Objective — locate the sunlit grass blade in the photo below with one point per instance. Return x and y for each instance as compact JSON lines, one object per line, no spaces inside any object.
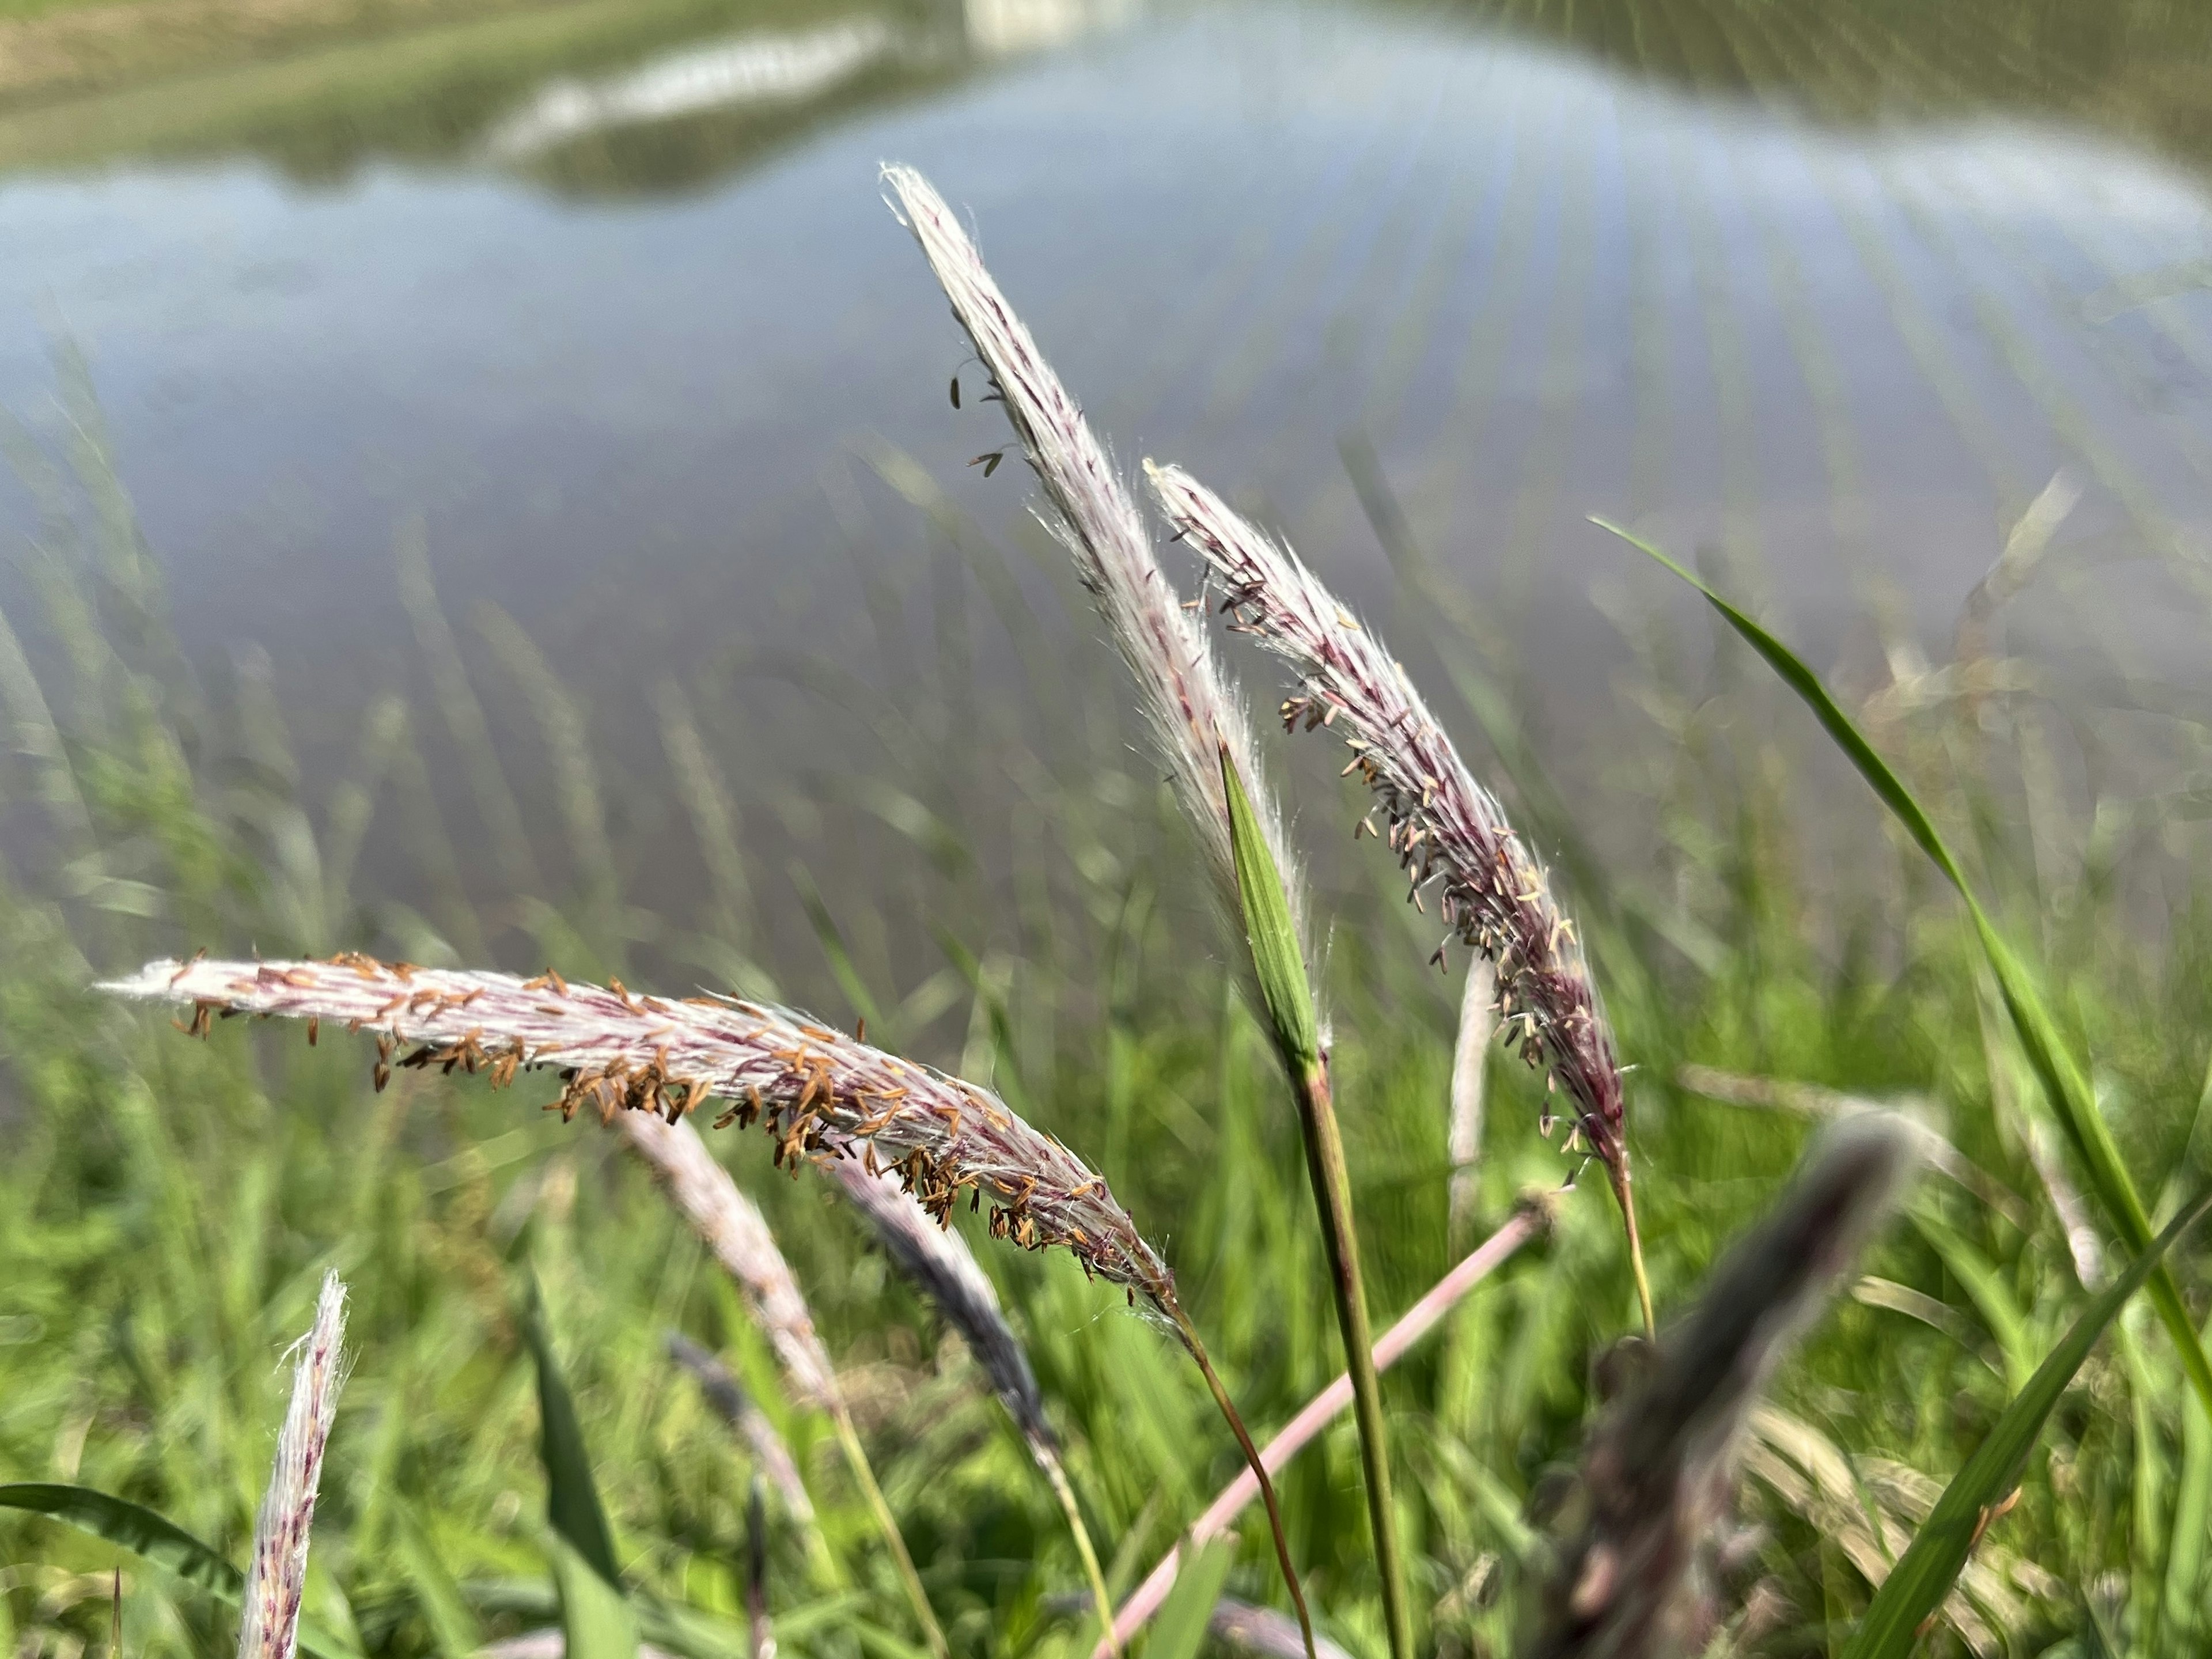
{"x":155,"y":1538}
{"x":596,"y":1621}
{"x":2056,"y":1068}
{"x":1281,"y":967}
{"x":1924,"y":1575}
{"x":1180,"y":1631}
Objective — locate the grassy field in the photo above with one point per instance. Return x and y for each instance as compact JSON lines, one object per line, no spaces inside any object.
{"x":167,"y":1208}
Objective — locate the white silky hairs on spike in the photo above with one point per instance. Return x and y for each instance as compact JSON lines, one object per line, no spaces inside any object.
{"x":1095,"y":517}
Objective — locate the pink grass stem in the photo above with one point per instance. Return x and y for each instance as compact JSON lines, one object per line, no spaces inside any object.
{"x":1322,"y":1409}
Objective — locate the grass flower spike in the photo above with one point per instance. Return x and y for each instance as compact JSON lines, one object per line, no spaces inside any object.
{"x":1096,"y":518}
{"x":278,"y":1578}
{"x":819,"y":1094}
{"x":1449,"y":834}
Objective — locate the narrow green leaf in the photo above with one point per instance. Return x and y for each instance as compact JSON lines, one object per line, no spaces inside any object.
{"x":572,"y":1501}
{"x":2192,"y":1524}
{"x":2056,"y":1068}
{"x":597,"y":1620}
{"x":1923,"y":1576}
{"x":1988,"y":1293}
{"x":1180,"y":1629}
{"x":1275,"y":955}
{"x":159,"y":1542}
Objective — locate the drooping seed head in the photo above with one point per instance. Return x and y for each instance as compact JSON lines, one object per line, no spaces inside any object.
{"x":818,"y":1094}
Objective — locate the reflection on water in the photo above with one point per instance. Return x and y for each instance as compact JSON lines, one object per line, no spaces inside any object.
{"x":752,"y":71}
{"x":1831,"y":293}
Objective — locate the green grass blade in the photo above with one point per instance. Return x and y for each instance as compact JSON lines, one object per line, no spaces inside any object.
{"x":1923,"y":1576}
{"x":2056,"y":1069}
{"x":155,"y":1539}
{"x":1180,"y":1629}
{"x":597,"y":1620}
{"x":572,"y":1501}
{"x":2192,"y":1525}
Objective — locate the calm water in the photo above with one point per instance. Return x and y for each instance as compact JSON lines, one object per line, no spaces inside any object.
{"x":619,"y":313}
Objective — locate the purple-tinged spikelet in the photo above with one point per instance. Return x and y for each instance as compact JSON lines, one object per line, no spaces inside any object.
{"x":1449,"y":834}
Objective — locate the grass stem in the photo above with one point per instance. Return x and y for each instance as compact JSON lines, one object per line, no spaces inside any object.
{"x":857,"y":1460}
{"x":1623,"y":1192}
{"x":1100,"y":1595}
{"x":1189,"y":1334}
{"x":1332,"y":1186}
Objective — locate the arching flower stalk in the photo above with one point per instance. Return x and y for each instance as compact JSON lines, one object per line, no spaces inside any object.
{"x":1449,"y":834}
{"x":822,"y":1097}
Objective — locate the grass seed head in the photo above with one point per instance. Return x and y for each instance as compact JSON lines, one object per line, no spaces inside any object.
{"x":1093,"y":514}
{"x":1451,"y":836}
{"x":822,"y":1097}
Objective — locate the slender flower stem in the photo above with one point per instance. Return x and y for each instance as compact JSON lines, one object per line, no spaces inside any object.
{"x":1332,"y":1186}
{"x":1101,"y":1597}
{"x":1623,"y":1192}
{"x":1320,"y":1411}
{"x":1259,"y":1470}
{"x":857,"y":1460}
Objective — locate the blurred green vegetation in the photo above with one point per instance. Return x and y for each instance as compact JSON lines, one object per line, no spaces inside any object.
{"x":1001,"y":887}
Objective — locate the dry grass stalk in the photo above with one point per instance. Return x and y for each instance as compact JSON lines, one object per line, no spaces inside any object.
{"x":278,"y":1577}
{"x":1658,"y":1469}
{"x":1096,"y":519}
{"x":1323,"y":1409}
{"x":819,"y":1094}
{"x":1811,"y":1100}
{"x":1449,"y":834}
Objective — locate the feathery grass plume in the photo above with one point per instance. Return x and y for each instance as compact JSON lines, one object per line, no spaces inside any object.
{"x":1195,"y":720}
{"x":818,"y":1094}
{"x":938,"y":1263}
{"x":733,"y":1227}
{"x":1096,"y":519}
{"x":278,"y":1578}
{"x":1447,"y":831}
{"x":1657,"y":1470}
{"x":743,"y":1416}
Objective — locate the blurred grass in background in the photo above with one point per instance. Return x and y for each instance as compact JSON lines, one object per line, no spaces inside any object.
{"x":166,"y":1208}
